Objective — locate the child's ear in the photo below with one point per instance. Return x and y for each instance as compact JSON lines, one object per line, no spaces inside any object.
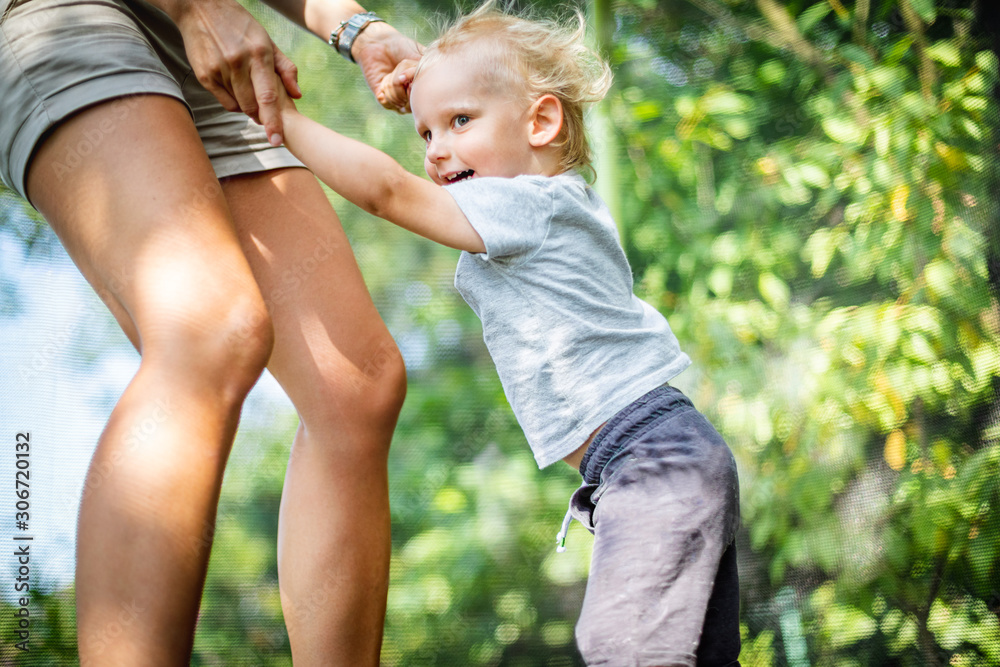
{"x":546,"y":118}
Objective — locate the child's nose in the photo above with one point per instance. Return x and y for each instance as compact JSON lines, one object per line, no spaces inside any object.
{"x":436,"y":150}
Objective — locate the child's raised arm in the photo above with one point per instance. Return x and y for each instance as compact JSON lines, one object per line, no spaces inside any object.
{"x":374,"y":181}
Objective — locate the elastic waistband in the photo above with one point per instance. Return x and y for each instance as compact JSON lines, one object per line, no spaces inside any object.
{"x":648,"y":407}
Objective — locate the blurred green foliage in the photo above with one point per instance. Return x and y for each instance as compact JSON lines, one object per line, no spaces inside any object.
{"x":811,"y":193}
{"x":806,"y":189}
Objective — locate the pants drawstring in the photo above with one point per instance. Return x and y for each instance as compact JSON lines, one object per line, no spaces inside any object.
{"x":561,"y":536}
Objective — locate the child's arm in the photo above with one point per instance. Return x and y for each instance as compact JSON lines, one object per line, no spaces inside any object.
{"x":374,"y":181}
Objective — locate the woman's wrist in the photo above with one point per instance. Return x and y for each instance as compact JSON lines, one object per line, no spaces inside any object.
{"x":323,"y":16}
{"x":348,"y":31}
{"x":175,"y":9}
{"x":374,"y":33}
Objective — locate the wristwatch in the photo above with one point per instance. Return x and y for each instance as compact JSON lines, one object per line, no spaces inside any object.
{"x":343,"y":37}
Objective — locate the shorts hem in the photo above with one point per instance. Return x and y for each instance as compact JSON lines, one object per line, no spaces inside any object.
{"x":52,"y":111}
{"x":254,"y":162}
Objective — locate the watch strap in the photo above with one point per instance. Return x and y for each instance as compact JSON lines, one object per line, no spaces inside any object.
{"x":343,"y":37}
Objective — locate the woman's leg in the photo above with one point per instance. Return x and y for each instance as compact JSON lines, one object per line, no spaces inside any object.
{"x":339,"y":365}
{"x":170,"y":267}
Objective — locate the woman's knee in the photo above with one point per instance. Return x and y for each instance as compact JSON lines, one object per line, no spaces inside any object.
{"x":387,"y":373}
{"x":222,"y":343}
{"x":247,"y":338}
{"x":362,"y":402}
{"x":382,"y":390}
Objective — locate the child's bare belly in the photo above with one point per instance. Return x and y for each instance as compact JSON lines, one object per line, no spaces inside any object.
{"x":577,"y":456}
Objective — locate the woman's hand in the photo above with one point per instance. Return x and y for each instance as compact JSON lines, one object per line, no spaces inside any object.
{"x":388,"y":61}
{"x":235,"y":59}
{"x":394,"y":91}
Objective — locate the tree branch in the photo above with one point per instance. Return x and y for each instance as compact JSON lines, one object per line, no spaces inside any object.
{"x":861,"y":11}
{"x":787,"y":33}
{"x":925,"y":68}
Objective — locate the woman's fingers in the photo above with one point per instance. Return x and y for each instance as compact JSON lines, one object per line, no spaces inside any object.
{"x":235,"y":59}
{"x":227,"y":101}
{"x":287,"y":71}
{"x":265,"y":88}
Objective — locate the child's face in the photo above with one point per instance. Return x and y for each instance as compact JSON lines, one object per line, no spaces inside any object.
{"x":470,"y":131}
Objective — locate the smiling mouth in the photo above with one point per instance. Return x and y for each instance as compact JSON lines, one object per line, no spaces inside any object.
{"x":460,"y":176}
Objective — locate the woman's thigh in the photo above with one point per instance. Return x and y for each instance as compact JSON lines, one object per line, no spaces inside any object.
{"x":59,"y":57}
{"x":79,"y":80}
{"x":167,"y":263}
{"x":333,"y":354}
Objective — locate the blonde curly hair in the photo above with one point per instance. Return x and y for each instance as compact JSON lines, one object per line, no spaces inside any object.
{"x":532,"y":57}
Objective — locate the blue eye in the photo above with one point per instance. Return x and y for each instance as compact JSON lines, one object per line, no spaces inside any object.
{"x":461,"y":120}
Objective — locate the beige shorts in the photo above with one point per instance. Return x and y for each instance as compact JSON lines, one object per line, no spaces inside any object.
{"x":58,"y":57}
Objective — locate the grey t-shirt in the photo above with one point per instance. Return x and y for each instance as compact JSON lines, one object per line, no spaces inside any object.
{"x":571,"y":342}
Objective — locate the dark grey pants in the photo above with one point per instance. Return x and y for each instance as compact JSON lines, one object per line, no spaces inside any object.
{"x":661,"y":496}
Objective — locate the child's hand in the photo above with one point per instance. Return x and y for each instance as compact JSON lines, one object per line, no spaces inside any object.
{"x":394,"y":90}
{"x":287,"y":111}
{"x":380,"y":49}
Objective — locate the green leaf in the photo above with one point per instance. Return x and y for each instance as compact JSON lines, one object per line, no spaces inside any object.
{"x":945,"y":52}
{"x":814,"y":175}
{"x":925,"y":9}
{"x":819,"y":251}
{"x":686,"y":106}
{"x":720,"y":280}
{"x":898,"y":50}
{"x":983,"y":554}
{"x":772,"y":71}
{"x":973,"y":128}
{"x":648,"y":110}
{"x":847,"y":625}
{"x":856,"y":54}
{"x":843,"y":130}
{"x":891,"y":81}
{"x":987,"y":62}
{"x":812,"y":16}
{"x":919,"y":349}
{"x":975,"y":103}
{"x":738,"y":128}
{"x":940,"y":277}
{"x":774,"y":290}
{"x":725,"y":102}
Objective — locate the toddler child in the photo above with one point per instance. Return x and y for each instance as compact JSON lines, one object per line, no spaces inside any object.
{"x":584,"y":363}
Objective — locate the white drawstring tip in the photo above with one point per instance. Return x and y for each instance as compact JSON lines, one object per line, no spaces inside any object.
{"x":563,"y":531}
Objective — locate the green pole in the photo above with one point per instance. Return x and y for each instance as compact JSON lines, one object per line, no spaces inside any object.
{"x":604,"y":137}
